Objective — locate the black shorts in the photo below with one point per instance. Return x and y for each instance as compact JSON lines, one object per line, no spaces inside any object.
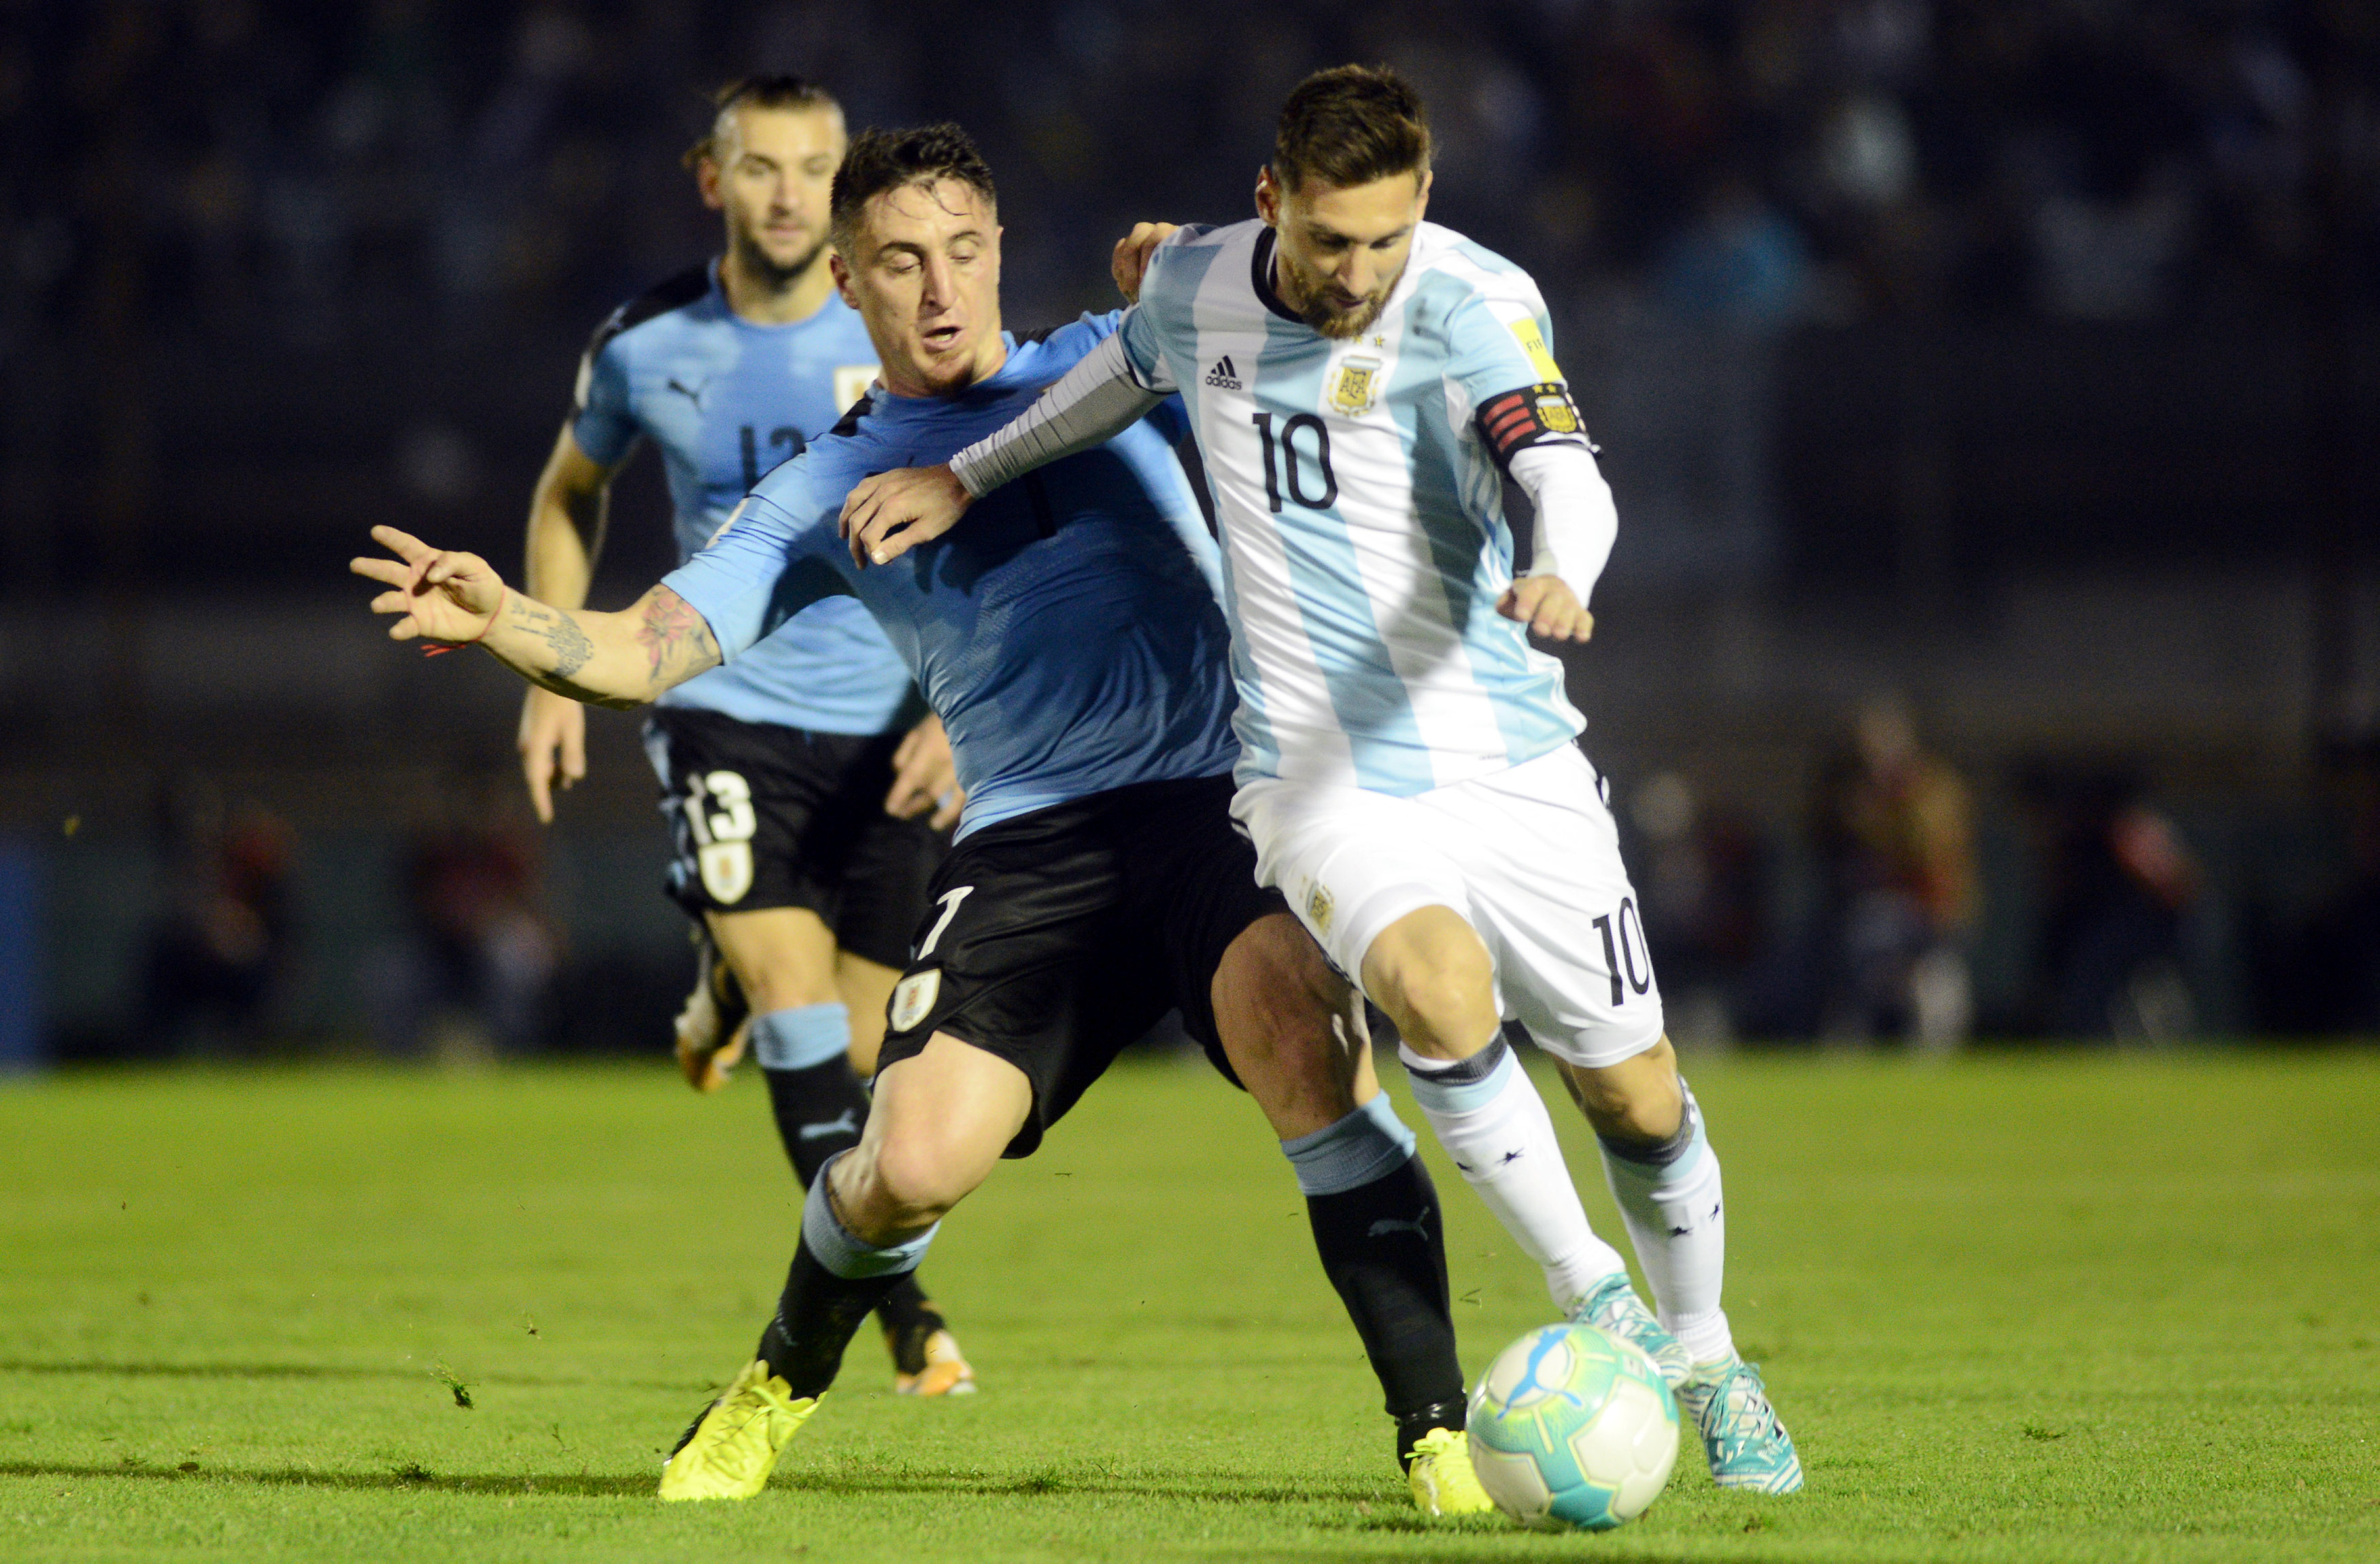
{"x":769,"y":816}
{"x":1058,"y":937}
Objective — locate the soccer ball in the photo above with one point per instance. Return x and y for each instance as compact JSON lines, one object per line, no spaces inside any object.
{"x":1572,"y":1428}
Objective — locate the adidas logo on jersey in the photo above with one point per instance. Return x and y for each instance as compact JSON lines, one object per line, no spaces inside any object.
{"x":1222,"y":376}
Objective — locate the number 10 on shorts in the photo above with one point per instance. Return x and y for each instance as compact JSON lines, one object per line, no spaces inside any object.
{"x":1625,"y":949}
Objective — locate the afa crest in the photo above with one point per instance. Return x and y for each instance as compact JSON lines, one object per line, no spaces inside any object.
{"x":1355,"y":387}
{"x":1555,"y":409}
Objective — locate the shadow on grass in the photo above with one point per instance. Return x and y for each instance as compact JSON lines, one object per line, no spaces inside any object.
{"x":330,"y":1371}
{"x":952,"y":1483}
{"x":1470,"y":1540}
{"x":410,"y":1479}
{"x":1072,"y":1482}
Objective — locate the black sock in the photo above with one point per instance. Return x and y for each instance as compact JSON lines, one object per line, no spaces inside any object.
{"x":816,"y":1320}
{"x":820,"y":1111}
{"x":1383,"y":1246}
{"x":1413,"y":1426}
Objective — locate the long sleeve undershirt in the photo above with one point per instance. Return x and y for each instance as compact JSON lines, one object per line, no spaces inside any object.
{"x":1090,"y":403}
{"x":1100,"y":397}
{"x":1576,"y":520}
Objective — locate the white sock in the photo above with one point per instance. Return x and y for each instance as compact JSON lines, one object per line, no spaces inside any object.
{"x":1677,"y":1218}
{"x":1494,"y":1125}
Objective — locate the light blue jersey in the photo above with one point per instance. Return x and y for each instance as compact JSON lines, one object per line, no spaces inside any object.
{"x":1363,"y":535}
{"x":1068,"y":634}
{"x":726,"y":400}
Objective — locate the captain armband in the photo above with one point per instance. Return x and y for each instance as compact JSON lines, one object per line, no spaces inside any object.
{"x":1534,"y":415}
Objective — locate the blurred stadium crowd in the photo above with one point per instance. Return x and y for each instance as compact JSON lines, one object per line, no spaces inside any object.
{"x":1887,"y":311}
{"x":325,"y":169}
{"x":1862,"y":924}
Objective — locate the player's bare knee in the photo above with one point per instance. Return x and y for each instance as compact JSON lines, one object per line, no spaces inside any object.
{"x":1273,"y":988}
{"x":1273,"y":961}
{"x":1433,"y":976}
{"x":1450,"y":1000}
{"x":913,"y":1181}
{"x":1636,"y":1118}
{"x":1639,"y":1101}
{"x":767,"y":989}
{"x":782,"y":957}
{"x":1278,"y":1010}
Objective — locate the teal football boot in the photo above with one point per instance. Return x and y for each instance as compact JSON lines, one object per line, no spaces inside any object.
{"x":1748,"y":1446}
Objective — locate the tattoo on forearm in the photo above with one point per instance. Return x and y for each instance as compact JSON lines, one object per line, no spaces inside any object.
{"x":572,"y":650}
{"x":676,"y":643}
{"x":675,"y":637}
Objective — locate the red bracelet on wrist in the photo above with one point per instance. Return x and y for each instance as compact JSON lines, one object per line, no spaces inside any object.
{"x":439,"y":649}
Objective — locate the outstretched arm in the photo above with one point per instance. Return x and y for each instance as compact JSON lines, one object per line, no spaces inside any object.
{"x":625,"y":659}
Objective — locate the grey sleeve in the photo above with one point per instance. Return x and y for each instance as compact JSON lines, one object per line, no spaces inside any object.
{"x":1092,"y":402}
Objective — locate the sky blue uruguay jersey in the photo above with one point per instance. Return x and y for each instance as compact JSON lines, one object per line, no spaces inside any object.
{"x":1067,"y":633}
{"x":726,"y":400}
{"x":1365,"y":543}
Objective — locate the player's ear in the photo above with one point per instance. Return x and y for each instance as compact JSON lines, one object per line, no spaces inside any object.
{"x":1268,"y":196}
{"x":706,"y":179}
{"x":841,"y":270}
{"x":1421,"y":202}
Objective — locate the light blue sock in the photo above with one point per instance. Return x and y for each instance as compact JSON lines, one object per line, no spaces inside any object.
{"x":1461,"y":1085}
{"x":1367,"y":1144}
{"x":1670,"y":1195}
{"x":843,"y":1252}
{"x":801,"y":1037}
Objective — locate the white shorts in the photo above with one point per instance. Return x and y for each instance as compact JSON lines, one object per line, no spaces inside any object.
{"x":1529,"y":857}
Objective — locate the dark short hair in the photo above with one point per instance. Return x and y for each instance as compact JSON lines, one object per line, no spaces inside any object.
{"x":778,"y":90}
{"x":1348,"y":125}
{"x":879,"y":161}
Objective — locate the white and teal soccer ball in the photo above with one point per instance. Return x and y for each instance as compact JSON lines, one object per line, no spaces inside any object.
{"x":1572,"y":1428}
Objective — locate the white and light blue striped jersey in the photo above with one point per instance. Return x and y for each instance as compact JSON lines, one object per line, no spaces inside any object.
{"x":726,"y":400}
{"x":1362,"y":515}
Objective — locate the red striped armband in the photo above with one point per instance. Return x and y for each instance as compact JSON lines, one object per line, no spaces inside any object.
{"x":1514,"y":420}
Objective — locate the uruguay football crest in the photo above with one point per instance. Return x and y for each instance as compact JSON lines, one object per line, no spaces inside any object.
{"x":1355,"y":387}
{"x":914,"y":996}
{"x":851,"y":383}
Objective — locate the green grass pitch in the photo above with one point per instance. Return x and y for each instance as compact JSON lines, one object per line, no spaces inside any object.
{"x":2012,"y":1308}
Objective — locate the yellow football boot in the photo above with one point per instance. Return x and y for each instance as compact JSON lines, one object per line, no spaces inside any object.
{"x":1443,"y":1482}
{"x":944,"y":1371}
{"x":733,"y":1447}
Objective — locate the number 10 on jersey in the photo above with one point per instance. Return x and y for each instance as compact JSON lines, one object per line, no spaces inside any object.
{"x":1287,"y":460}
